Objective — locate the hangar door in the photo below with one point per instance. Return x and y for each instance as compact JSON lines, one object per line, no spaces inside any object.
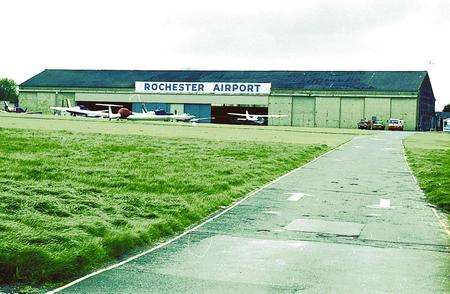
{"x":63,"y":97}
{"x":280,"y":105}
{"x":303,"y":109}
{"x":327,"y":112}
{"x":199,"y":110}
{"x":405,"y":109}
{"x":352,"y":111}
{"x":379,"y":107}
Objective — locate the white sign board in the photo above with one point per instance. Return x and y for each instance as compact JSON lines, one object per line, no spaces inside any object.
{"x":203,"y":88}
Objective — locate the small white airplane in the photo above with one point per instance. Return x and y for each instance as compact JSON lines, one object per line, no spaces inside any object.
{"x":110,"y":114}
{"x":159,"y":115}
{"x":255,"y":118}
{"x":14,"y":109}
{"x":83,"y":111}
{"x":151,"y":115}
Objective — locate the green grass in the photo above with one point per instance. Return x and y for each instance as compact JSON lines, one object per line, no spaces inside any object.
{"x":428,"y":155}
{"x":72,"y":201}
{"x":271,"y":134}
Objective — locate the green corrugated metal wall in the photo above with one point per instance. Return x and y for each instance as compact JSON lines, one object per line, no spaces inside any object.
{"x":62,"y":97}
{"x":28,"y":100}
{"x":406,"y":110}
{"x":281,"y":105}
{"x":327,"y":112}
{"x":352,"y":110}
{"x":175,"y":99}
{"x":41,"y":101}
{"x":379,"y":107}
{"x":303,"y":111}
{"x":345,"y":112}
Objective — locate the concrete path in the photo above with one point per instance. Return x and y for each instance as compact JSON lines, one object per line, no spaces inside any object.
{"x":320,"y":229}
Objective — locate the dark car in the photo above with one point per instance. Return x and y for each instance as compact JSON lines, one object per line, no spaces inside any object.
{"x":364,"y":124}
{"x":378,"y":125}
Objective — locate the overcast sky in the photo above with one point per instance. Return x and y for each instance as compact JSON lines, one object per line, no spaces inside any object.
{"x":228,"y":34}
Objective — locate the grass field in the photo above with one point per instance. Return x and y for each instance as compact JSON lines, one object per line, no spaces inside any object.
{"x":429,"y":157}
{"x":297,"y":135}
{"x":77,"y":194}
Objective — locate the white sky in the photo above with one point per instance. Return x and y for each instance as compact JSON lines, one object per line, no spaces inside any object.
{"x":227,"y":34}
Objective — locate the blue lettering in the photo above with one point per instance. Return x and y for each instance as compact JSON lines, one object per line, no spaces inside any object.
{"x":200,"y":87}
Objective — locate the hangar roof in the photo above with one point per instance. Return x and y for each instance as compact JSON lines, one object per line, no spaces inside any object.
{"x":288,"y":80}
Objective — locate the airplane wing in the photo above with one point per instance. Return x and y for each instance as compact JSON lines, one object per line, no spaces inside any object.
{"x":108,"y":105}
{"x":197,"y":119}
{"x":59,"y":108}
{"x":236,"y":114}
{"x":271,"y":115}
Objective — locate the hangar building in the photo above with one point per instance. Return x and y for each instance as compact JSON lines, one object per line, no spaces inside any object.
{"x":307,"y":98}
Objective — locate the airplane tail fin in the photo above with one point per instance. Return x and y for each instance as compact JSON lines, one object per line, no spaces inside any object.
{"x":68,"y":103}
{"x":247,"y":116}
{"x":144,"y":109}
{"x":109,"y":112}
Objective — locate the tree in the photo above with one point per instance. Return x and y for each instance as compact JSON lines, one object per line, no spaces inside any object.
{"x":8,"y":90}
{"x":2,"y":94}
{"x":446,"y":108}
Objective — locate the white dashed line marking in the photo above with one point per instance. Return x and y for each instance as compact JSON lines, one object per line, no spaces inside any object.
{"x":296,"y":196}
{"x":271,"y":212}
{"x":385,"y":203}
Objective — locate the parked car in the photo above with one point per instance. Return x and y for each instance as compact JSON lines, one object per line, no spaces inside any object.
{"x":446,"y":125}
{"x":378,"y":125}
{"x":371,"y":124}
{"x":395,"y":124}
{"x":364,"y":124}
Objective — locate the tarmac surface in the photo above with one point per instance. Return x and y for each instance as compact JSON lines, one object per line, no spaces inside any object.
{"x":353,"y":221}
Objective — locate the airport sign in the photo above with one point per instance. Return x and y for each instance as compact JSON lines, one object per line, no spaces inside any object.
{"x":203,"y":88}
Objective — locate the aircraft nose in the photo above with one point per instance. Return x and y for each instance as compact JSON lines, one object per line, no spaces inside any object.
{"x":124,"y":112}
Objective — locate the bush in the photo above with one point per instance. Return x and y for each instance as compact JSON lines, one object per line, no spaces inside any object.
{"x":8,"y":90}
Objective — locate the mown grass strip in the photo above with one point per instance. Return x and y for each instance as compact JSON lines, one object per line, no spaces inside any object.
{"x":429,"y":157}
{"x":71,"y":202}
{"x":263,"y":134}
